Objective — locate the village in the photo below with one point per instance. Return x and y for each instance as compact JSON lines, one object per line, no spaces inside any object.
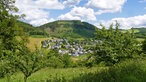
{"x":73,"y":48}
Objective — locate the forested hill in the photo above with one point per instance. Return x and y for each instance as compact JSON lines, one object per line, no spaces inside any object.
{"x":140,"y":32}
{"x":31,"y":30}
{"x":69,"y":29}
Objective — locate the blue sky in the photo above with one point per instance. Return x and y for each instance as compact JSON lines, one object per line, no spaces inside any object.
{"x":129,"y":13}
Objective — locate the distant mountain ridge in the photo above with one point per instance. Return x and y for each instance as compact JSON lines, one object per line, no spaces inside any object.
{"x":31,"y":30}
{"x":141,"y":32}
{"x":69,"y":28}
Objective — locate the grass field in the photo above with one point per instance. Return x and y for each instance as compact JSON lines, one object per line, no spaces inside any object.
{"x":53,"y":75}
{"x":127,"y":71}
{"x":140,"y":39}
{"x":35,"y":42}
{"x":135,"y":31}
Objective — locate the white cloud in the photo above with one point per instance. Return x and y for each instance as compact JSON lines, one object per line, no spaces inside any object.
{"x":69,"y":16}
{"x":41,"y":21}
{"x":45,"y":4}
{"x":71,"y":2}
{"x":35,"y":10}
{"x":79,"y":13}
{"x":49,"y":4}
{"x":127,"y":23}
{"x":106,"y":6}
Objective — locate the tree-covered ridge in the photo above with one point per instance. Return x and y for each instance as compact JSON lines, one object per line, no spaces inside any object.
{"x":141,"y":32}
{"x":31,"y":30}
{"x":69,"y":29}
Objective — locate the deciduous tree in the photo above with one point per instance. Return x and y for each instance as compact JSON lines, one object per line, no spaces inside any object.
{"x":8,"y":33}
{"x":115,"y":45}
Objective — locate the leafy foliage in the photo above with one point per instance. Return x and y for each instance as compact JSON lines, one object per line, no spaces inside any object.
{"x":144,"y":46}
{"x":67,"y":61}
{"x":127,"y":71}
{"x":28,"y":62}
{"x":8,"y":32}
{"x":115,"y":45}
{"x":53,"y":59}
{"x":14,"y":54}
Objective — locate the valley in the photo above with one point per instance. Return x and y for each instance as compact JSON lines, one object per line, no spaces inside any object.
{"x":72,"y":41}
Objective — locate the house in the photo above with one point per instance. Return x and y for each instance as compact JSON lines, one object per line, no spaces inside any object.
{"x":63,"y":46}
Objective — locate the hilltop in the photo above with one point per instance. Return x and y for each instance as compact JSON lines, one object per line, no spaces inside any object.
{"x":31,"y":30}
{"x":69,"y":29}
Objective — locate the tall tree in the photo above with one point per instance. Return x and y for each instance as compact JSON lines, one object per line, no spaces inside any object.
{"x":14,"y":54}
{"x":115,"y":45}
{"x":8,"y":27}
{"x":8,"y":33}
{"x":27,"y":61}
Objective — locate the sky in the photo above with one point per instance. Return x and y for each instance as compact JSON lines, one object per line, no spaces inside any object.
{"x":129,"y":13}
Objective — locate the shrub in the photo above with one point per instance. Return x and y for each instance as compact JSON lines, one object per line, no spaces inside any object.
{"x":127,"y":71}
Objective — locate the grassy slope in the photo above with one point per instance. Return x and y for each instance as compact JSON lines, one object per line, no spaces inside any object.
{"x":35,"y":42}
{"x":135,"y":30}
{"x":140,"y":33}
{"x":53,"y":74}
{"x":127,"y":71}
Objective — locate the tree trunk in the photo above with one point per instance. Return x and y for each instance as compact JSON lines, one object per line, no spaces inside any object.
{"x":25,"y":78}
{"x":8,"y":78}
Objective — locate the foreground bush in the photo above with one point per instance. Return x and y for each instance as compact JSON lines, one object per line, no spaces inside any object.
{"x":127,"y":71}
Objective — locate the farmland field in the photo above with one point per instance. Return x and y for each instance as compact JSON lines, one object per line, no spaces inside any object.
{"x":35,"y":42}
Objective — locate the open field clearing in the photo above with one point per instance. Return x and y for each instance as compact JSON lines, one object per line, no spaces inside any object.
{"x":35,"y":42}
